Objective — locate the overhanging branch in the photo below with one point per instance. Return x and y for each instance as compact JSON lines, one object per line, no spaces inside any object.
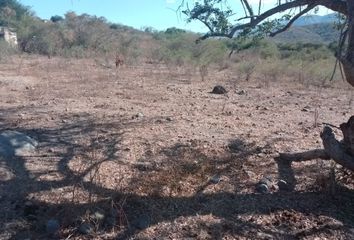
{"x":280,"y":8}
{"x":286,"y":27}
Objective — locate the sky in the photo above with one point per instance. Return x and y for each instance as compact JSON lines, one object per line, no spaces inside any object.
{"x":159,"y":14}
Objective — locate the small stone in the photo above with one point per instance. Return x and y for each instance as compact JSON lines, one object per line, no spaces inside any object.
{"x":215,"y":179}
{"x":306,"y":109}
{"x":138,"y":115}
{"x":242,"y":92}
{"x":268,"y":181}
{"x":52,"y":226}
{"x":169,"y":119}
{"x":98,"y":216}
{"x":86,"y":228}
{"x":262,"y":188}
{"x":283,"y":186}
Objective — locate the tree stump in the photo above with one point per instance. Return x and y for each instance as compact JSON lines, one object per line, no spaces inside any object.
{"x":348,"y":135}
{"x":342,"y":152}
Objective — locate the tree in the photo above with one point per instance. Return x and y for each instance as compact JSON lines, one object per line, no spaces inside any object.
{"x":56,"y":18}
{"x":221,"y":21}
{"x":11,"y":11}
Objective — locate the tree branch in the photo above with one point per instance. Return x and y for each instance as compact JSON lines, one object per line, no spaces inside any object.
{"x":309,"y":8}
{"x":335,"y":5}
{"x":280,"y":8}
{"x":304,"y":156}
{"x":248,"y":7}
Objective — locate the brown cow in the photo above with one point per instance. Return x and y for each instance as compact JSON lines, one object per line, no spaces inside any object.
{"x":119,"y":61}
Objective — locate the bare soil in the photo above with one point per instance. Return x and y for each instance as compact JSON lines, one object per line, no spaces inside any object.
{"x":151,"y":149}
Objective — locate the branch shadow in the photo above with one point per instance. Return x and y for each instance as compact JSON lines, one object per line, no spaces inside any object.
{"x":180,"y":186}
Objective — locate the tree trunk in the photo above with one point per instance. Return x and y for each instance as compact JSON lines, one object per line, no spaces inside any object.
{"x":348,"y":60}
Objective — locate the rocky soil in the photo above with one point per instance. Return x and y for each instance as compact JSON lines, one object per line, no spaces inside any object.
{"x":149,"y":152}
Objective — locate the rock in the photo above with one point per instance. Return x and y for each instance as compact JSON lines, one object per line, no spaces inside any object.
{"x":305,"y":109}
{"x":219,"y":90}
{"x":142,"y":222}
{"x":169,"y":119}
{"x":13,"y":143}
{"x":262,"y":188}
{"x":98,"y":216}
{"x":242,"y":92}
{"x":52,"y":226}
{"x":86,"y":228}
{"x":138,"y":115}
{"x":215,"y":179}
{"x":283,"y":186}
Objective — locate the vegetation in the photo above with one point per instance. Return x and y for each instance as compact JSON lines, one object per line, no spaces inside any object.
{"x":222,"y":21}
{"x":83,"y":35}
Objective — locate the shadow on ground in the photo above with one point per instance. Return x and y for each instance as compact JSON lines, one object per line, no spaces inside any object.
{"x":165,"y":198}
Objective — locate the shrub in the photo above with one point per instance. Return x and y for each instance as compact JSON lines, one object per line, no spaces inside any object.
{"x":6,"y":51}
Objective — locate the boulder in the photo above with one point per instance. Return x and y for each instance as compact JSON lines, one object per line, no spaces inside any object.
{"x":14,"y":143}
{"x":219,"y":90}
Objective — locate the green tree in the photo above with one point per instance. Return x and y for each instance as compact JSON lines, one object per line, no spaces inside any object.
{"x":56,"y":18}
{"x":11,"y":12}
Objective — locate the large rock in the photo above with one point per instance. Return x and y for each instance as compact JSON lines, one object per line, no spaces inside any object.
{"x":13,"y":143}
{"x":219,"y":90}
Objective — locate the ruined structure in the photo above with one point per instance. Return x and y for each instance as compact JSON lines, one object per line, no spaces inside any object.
{"x":9,"y":36}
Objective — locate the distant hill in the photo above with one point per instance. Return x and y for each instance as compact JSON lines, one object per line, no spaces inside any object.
{"x":311,"y":29}
{"x":316,"y":19}
{"x":315,"y":33}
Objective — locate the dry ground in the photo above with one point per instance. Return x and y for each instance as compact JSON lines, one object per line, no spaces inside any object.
{"x":140,"y":144}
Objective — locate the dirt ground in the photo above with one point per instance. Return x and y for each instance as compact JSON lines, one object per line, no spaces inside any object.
{"x":147,"y":152}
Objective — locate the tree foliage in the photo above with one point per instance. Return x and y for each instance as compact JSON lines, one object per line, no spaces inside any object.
{"x":12,"y":11}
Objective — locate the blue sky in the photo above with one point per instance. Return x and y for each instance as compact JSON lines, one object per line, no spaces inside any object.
{"x":158,"y":14}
